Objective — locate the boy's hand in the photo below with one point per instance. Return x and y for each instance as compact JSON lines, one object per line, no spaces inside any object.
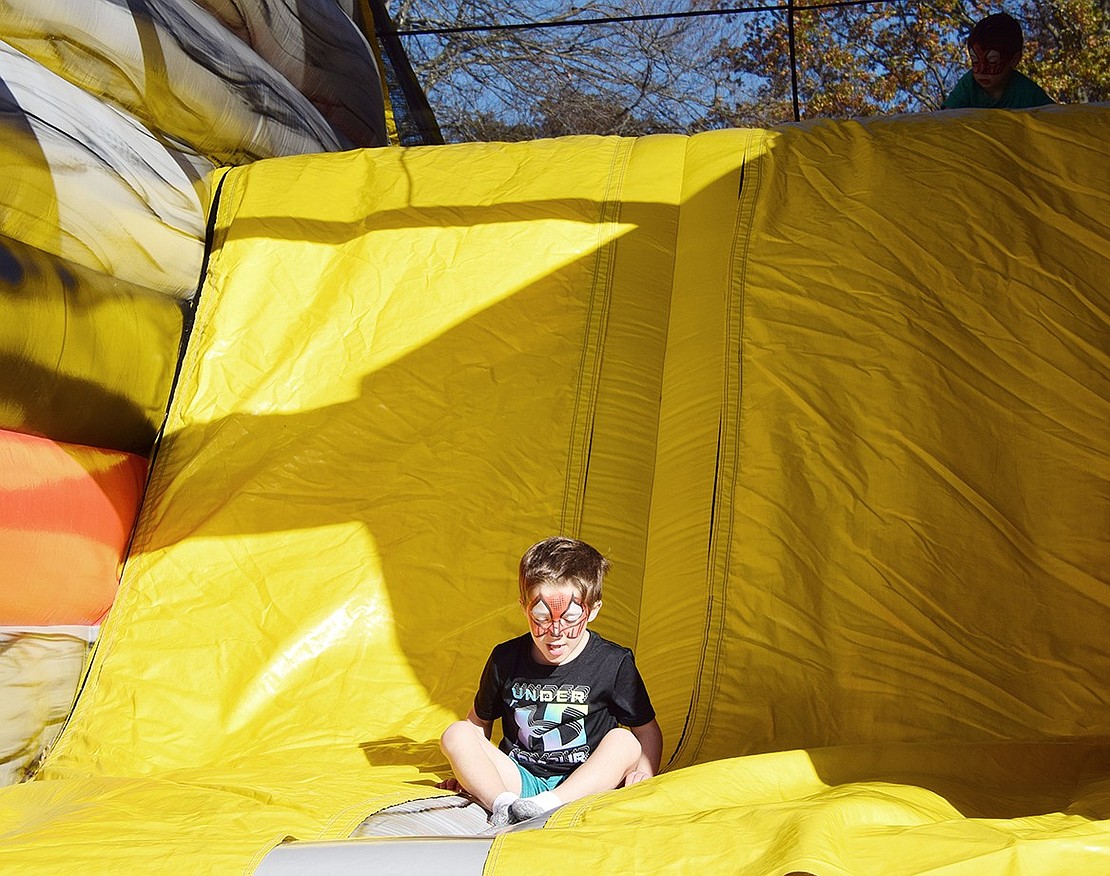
{"x":451,"y":784}
{"x":636,"y":776}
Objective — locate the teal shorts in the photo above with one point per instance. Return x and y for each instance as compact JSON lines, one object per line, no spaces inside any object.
{"x":531,"y":785}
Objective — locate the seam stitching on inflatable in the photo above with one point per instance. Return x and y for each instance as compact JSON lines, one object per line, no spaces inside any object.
{"x":593,"y":342}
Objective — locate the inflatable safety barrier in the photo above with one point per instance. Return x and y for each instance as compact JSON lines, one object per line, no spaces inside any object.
{"x":39,"y":671}
{"x":832,"y":398}
{"x":173,"y":66}
{"x":115,"y":117}
{"x":87,"y":358}
{"x":67,"y":517}
{"x":93,"y":187}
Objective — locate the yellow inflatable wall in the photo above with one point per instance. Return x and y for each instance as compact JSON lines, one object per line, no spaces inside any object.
{"x":114,"y":119}
{"x":832,"y":397}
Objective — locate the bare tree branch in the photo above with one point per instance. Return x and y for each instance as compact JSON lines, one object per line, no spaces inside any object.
{"x":638,"y":76}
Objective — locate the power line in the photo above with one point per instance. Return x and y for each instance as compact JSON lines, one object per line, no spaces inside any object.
{"x":790,"y":7}
{"x":621,"y":19}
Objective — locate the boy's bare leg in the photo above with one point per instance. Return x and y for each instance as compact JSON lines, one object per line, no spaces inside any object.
{"x":613,"y":759}
{"x":481,"y":768}
{"x":605,"y":769}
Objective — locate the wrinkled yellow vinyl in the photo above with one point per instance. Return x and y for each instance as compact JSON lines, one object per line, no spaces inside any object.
{"x":833,"y":398}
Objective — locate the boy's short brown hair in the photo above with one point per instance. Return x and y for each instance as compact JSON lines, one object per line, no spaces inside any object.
{"x":561,"y":559}
{"x":998,"y":31}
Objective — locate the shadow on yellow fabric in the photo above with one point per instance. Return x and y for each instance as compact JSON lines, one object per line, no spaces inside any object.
{"x":832,"y":398}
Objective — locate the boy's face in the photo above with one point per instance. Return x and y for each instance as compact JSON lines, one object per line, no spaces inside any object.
{"x":991,"y":68}
{"x":557,"y":620}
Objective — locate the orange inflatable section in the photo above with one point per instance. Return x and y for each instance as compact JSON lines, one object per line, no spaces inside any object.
{"x":66,"y":514}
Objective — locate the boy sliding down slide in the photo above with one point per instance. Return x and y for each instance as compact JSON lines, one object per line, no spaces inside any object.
{"x":561,"y":692}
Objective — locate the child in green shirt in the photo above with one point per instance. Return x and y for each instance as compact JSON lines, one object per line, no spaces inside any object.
{"x":995,"y":46}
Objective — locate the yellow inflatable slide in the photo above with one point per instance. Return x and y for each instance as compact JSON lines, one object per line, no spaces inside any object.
{"x":832,"y":397}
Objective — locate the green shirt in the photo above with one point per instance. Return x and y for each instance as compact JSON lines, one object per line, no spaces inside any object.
{"x":1021,"y":91}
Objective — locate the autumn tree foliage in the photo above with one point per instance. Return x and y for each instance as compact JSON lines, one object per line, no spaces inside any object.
{"x":901,"y":56}
{"x":848,"y":61}
{"x":520,"y":69}
{"x":1068,"y":48}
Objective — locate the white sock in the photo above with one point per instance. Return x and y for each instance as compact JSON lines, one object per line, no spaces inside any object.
{"x":547,"y":800}
{"x":499,"y":815}
{"x":530,"y":807}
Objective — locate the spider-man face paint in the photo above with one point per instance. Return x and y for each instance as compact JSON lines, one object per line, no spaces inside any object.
{"x":557,"y":613}
{"x":987,"y":62}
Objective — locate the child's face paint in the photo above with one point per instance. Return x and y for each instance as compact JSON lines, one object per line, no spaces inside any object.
{"x":558,"y":613}
{"x":991,"y":69}
{"x":988,"y":62}
{"x":557,"y":617}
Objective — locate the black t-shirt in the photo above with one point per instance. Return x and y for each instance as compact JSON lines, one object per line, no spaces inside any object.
{"x":553,"y":717}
